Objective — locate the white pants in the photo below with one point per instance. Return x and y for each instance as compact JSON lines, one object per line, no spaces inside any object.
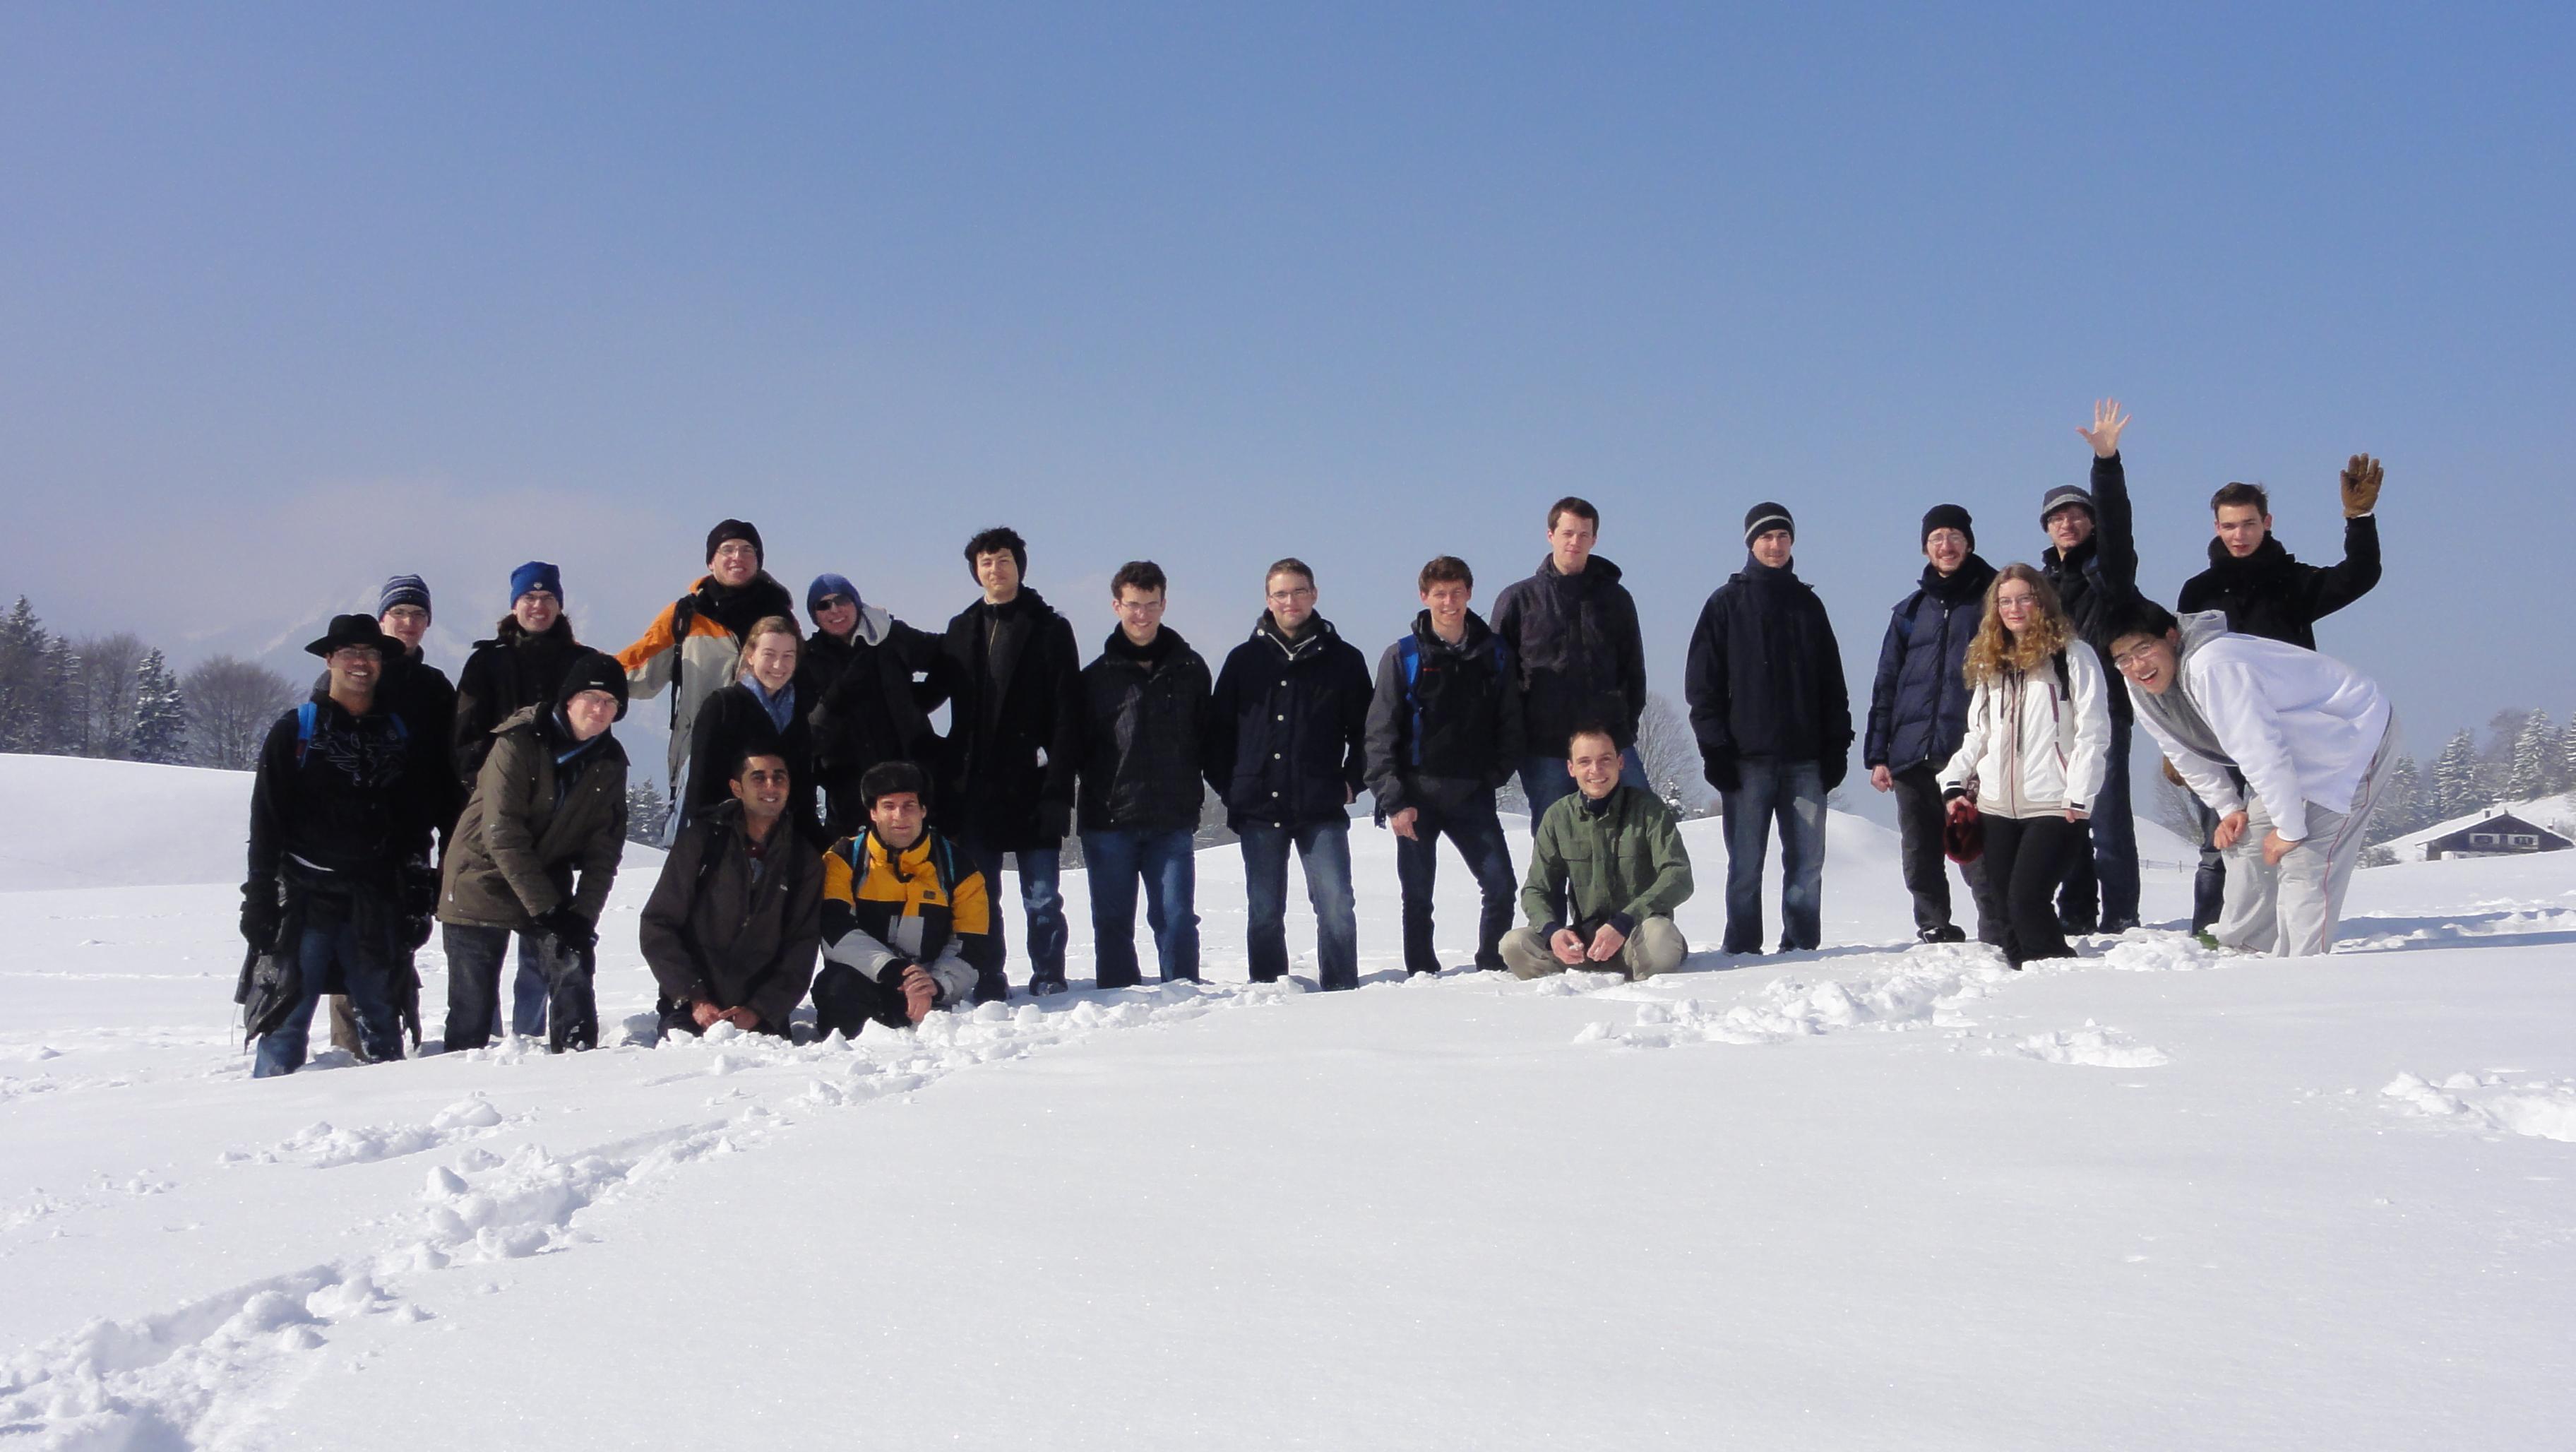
{"x":2290,"y":910}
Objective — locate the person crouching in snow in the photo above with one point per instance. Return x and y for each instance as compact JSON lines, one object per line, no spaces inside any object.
{"x":2313,"y":739}
{"x":732,"y":925}
{"x":907,"y":918}
{"x":1607,"y":869}
{"x":2032,"y":762}
{"x":550,"y":798}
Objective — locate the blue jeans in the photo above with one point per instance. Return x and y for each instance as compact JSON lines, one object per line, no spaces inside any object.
{"x":1478,"y":835}
{"x":2101,"y":887}
{"x":1114,"y":858}
{"x":330,"y":936}
{"x":1545,"y":781}
{"x":1040,"y":898}
{"x":1325,"y":850}
{"x":1793,"y":792}
{"x":474,"y":957}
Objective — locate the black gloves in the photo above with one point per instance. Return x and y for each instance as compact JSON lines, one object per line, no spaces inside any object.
{"x":569,"y":927}
{"x":1055,"y":820}
{"x":260,"y":916}
{"x":1719,"y":769}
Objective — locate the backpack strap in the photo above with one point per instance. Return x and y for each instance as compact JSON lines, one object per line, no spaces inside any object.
{"x":1408,"y":654}
{"x":304,"y":718}
{"x":1905,"y":609}
{"x":684,"y":613}
{"x":2065,"y":683}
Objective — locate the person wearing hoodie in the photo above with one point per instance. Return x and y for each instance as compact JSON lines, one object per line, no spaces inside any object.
{"x":760,"y":710}
{"x":1571,"y":629}
{"x":1145,"y":707}
{"x":520,"y":667}
{"x":692,"y":648}
{"x":550,"y":801}
{"x":861,"y":666}
{"x":1011,"y":677}
{"x":2030,"y":764}
{"x":420,"y":694}
{"x":1444,"y":733}
{"x":2312,"y":739}
{"x":1286,"y":744}
{"x":1918,"y":711}
{"x":340,"y":818}
{"x":2092,"y":564}
{"x":2263,"y":591}
{"x":1773,"y":718}
{"x":731,"y":929}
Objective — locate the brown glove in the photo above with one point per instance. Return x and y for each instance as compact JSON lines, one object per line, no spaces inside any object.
{"x":2361,"y":485}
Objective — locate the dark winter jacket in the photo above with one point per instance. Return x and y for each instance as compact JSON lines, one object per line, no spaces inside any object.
{"x":1144,"y":716}
{"x":732,"y":720}
{"x":502,"y":677}
{"x":694,"y":647}
{"x":1766,"y":678}
{"x":1617,"y":861}
{"x":1452,"y":717}
{"x":355,"y":801}
{"x":1575,"y":641}
{"x":2274,"y":596}
{"x":543,"y":806}
{"x":862,"y":708}
{"x":419,"y":693}
{"x":1287,"y":730}
{"x":726,"y":928}
{"x":2096,"y":578}
{"x":1012,"y":679}
{"x":1918,"y":706}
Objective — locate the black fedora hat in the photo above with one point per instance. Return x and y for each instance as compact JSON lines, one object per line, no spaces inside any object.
{"x":348,"y":630}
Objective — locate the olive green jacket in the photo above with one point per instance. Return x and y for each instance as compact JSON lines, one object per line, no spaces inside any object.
{"x":1621,"y":866}
{"x":515,"y":848}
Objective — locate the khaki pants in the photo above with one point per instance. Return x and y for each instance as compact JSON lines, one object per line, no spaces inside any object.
{"x":1656,"y":947}
{"x":2290,"y":911}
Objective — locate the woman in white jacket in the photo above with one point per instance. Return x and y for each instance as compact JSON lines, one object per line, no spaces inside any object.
{"x":2038,"y":743}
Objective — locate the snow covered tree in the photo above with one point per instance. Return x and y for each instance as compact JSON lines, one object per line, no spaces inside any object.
{"x":2401,"y":802}
{"x":160,"y":731}
{"x":2455,"y":779}
{"x":2529,"y":778}
{"x":1670,"y":754}
{"x":645,"y":810}
{"x":23,"y":706}
{"x":2567,"y":757}
{"x":103,"y":693}
{"x":62,"y":723}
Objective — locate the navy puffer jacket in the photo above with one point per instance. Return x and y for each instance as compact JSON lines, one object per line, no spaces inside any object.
{"x":1918,"y":708}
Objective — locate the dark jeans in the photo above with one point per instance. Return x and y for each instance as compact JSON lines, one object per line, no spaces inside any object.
{"x":1043,"y":901}
{"x":474,"y":985}
{"x":848,"y":1000}
{"x":2028,"y":855}
{"x":1324,"y":848}
{"x":1545,"y":782}
{"x":332,"y":940}
{"x":1114,"y":858}
{"x":1474,"y":829}
{"x":1792,"y":792}
{"x":2209,"y":883}
{"x":1919,"y":817}
{"x":2101,"y":885}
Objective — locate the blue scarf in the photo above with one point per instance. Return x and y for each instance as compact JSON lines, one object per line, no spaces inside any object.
{"x":781,"y":707}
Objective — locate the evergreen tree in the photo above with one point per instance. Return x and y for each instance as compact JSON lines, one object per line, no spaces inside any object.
{"x":2529,"y":778}
{"x":645,"y":810}
{"x":2455,"y":779}
{"x":63,"y":727}
{"x":160,"y":716}
{"x":2567,"y":757}
{"x":23,"y":719}
{"x":2401,"y":802}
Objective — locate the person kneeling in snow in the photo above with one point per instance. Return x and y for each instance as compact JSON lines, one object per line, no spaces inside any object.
{"x":731,"y":927}
{"x":906,"y":917}
{"x":2313,"y":739}
{"x":1606,"y":870}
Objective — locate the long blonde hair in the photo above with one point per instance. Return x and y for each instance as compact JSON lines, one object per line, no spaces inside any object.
{"x":1996,"y":649}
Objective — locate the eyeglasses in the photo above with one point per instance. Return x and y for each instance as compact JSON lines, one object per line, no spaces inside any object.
{"x":2135,"y":657}
{"x":1287,"y":597}
{"x":2016,"y":602}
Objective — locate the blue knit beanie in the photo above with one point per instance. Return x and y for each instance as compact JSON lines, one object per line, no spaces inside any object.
{"x":536,"y":575}
{"x":825,"y":586}
{"x":403,"y":590}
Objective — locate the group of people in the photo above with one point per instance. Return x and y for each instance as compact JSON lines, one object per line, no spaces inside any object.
{"x":818,"y":815}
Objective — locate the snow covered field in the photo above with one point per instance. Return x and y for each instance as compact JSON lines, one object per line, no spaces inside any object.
{"x":1867,"y":1197}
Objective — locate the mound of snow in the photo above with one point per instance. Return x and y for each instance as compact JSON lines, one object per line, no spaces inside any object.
{"x":74,"y":822}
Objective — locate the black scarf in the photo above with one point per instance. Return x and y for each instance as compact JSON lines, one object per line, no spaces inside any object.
{"x":1964,"y":583}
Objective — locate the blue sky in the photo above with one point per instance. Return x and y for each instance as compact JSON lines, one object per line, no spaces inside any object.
{"x":299,"y":296}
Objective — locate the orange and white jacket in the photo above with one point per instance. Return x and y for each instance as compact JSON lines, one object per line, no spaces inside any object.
{"x":688,"y":646}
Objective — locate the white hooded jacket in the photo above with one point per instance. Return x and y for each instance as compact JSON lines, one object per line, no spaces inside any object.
{"x":2302,"y":727}
{"x":2032,"y":751}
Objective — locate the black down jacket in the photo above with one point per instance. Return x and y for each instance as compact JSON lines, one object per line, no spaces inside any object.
{"x":1918,"y":706}
{"x":1286,"y":729}
{"x":1144,"y":715}
{"x":1766,"y":678}
{"x":2274,"y":596}
{"x":1581,"y":657}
